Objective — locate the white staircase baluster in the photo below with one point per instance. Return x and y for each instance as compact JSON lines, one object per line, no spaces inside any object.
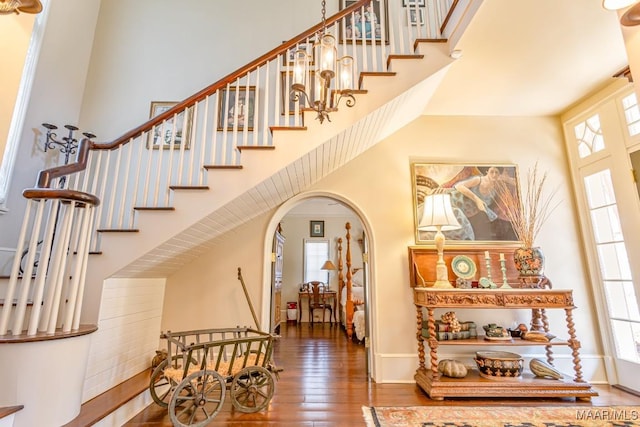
{"x":43,"y":268}
{"x":15,"y":269}
{"x":83,"y":273}
{"x":62,"y":246}
{"x":83,"y":224}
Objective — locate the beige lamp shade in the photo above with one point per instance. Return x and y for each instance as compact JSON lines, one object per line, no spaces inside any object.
{"x":328,"y":265}
{"x":438,"y":214}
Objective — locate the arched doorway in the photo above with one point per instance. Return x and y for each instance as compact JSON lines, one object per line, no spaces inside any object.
{"x":295,"y":219}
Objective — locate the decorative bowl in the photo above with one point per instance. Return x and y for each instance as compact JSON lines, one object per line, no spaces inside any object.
{"x":499,"y":365}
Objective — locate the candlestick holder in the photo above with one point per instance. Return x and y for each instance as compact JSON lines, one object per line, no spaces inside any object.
{"x":68,"y":145}
{"x":487,"y":261}
{"x":503,"y":267}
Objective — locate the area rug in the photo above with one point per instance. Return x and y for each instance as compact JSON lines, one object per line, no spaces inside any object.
{"x":546,"y":416}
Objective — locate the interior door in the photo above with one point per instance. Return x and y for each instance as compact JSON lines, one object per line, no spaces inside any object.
{"x":276,"y":280}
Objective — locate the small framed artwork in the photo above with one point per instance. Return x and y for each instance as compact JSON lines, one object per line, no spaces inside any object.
{"x":286,"y":78}
{"x":237,"y":107}
{"x":290,"y":56}
{"x":163,"y":133}
{"x":365,"y":25}
{"x":408,"y":3}
{"x":474,"y":191}
{"x":416,"y":16}
{"x":316,"y":228}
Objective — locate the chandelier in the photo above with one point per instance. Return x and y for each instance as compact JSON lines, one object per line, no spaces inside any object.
{"x":322,"y":79}
{"x":17,"y":6}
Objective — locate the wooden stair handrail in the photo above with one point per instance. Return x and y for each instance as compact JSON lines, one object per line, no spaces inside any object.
{"x":61,"y":194}
{"x":227,"y":79}
{"x":45,"y":176}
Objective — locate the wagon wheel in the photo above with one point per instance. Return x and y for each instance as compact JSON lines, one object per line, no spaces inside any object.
{"x":252,"y":389}
{"x":160,"y":386}
{"x":197,"y":399}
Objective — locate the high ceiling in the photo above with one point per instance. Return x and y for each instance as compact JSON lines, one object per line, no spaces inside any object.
{"x":531,"y":58}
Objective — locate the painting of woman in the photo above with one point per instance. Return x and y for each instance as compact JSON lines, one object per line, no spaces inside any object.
{"x":475,"y":199}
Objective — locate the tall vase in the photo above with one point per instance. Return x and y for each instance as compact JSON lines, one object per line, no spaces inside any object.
{"x":529,"y":261}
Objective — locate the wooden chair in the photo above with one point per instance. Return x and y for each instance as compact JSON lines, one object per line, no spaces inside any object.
{"x":317,"y":301}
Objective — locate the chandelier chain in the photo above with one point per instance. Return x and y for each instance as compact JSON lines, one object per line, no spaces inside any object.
{"x":324,"y":19}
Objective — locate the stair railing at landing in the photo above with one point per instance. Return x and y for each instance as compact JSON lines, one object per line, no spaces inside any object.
{"x":173,"y":150}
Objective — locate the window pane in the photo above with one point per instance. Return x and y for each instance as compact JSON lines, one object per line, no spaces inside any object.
{"x":589,"y":136}
{"x":631,"y":114}
{"x":627,"y":339}
{"x":599,"y":189}
{"x":316,"y":252}
{"x":621,"y":300}
{"x":614,"y":264}
{"x":606,"y":224}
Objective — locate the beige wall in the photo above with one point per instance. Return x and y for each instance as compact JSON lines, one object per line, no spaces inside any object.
{"x":378,"y":183}
{"x":16,"y":33}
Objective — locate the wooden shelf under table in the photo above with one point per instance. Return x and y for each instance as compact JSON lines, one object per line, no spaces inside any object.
{"x":527,"y":386}
{"x":480,"y":341}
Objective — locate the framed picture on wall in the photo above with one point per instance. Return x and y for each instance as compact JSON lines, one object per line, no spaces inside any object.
{"x":169,"y":133}
{"x":367,"y":25}
{"x":474,"y":199}
{"x":237,"y":107}
{"x":316,"y":228}
{"x":409,"y":3}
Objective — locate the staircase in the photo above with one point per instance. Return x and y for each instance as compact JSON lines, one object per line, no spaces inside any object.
{"x":210,"y":175}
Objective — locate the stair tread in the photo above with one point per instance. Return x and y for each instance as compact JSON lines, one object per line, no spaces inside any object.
{"x":230,"y":167}
{"x":5,"y":411}
{"x":158,"y":208}
{"x":189,"y":187}
{"x":104,"y":404}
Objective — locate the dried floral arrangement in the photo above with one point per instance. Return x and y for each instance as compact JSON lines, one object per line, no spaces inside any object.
{"x":528,"y":217}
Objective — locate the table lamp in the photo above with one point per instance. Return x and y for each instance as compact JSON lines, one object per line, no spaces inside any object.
{"x":438,"y":216}
{"x":328,"y":265}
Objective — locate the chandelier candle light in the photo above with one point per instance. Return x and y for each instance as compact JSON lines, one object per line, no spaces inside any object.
{"x":328,"y":90}
{"x":631,"y":16}
{"x":16,"y":6}
{"x":438,"y":216}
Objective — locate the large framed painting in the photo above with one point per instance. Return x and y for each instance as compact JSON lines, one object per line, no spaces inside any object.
{"x":475,"y":199}
{"x":369,"y":25}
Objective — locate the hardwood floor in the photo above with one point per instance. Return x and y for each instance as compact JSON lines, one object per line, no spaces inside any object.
{"x":324,"y":383}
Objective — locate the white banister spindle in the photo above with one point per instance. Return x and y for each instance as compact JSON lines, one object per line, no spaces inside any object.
{"x":27,"y":275}
{"x":125,"y":186}
{"x":15,"y":269}
{"x":203,"y":144}
{"x":72,"y":296}
{"x":90,"y":212}
{"x":62,"y":245}
{"x":43,"y":268}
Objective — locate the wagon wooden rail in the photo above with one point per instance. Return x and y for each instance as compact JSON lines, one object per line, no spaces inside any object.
{"x":200,"y":367}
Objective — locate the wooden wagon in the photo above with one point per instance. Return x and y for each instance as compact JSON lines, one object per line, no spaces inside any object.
{"x":200,"y":367}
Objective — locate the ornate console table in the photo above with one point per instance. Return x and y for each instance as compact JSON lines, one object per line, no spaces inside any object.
{"x":537,"y":300}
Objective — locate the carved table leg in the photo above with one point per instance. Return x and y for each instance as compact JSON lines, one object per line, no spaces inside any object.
{"x":433,"y":343}
{"x":420,"y":338}
{"x":575,"y":345}
{"x":536,"y":316}
{"x":545,"y":326}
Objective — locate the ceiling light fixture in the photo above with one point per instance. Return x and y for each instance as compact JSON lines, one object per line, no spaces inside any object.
{"x":16,"y":6}
{"x":314,"y":76}
{"x":631,"y":17}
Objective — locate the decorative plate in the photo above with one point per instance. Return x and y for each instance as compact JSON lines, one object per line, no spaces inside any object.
{"x":463,"y":267}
